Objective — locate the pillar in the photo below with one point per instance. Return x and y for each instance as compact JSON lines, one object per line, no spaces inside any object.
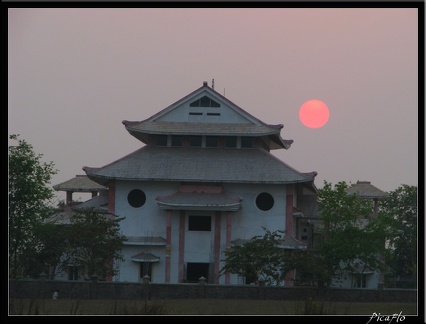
{"x":168,"y":244}
{"x":217,"y":233}
{"x":111,"y":198}
{"x":181,"y":245}
{"x":228,"y":242}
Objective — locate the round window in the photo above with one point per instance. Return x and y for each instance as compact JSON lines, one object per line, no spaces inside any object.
{"x":136,"y":198}
{"x":264,"y":201}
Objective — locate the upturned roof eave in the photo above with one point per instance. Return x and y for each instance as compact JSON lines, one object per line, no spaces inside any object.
{"x":145,"y":257}
{"x":291,"y":243}
{"x":176,"y":206}
{"x":106,"y":180}
{"x":80,"y":183}
{"x":202,"y":131}
{"x":277,"y":142}
{"x":160,"y":164}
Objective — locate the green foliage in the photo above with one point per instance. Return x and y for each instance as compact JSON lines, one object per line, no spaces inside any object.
{"x":93,"y":243}
{"x":53,"y":244}
{"x":338,"y":209}
{"x":259,"y":258}
{"x":29,"y":197}
{"x":350,"y":238}
{"x":401,"y":208}
{"x":312,"y":267}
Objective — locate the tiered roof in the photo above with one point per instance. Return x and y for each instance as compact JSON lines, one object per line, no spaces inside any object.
{"x":161,"y":123}
{"x":199,"y":165}
{"x":202,"y":112}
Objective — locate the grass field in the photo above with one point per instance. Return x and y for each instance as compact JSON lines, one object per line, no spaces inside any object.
{"x":204,"y":307}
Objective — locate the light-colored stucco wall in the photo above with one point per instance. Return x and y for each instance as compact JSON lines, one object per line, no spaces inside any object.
{"x":249,"y":221}
{"x":147,"y":220}
{"x":150,"y":220}
{"x":129,"y":271}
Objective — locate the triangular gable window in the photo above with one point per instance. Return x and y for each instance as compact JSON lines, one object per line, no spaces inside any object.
{"x":204,"y":102}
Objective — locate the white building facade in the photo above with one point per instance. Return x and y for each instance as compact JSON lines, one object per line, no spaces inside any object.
{"x":203,"y":180}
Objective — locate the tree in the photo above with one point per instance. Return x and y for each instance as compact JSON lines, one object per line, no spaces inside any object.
{"x":401,"y":207}
{"x":94,"y":242}
{"x":29,"y":197}
{"x":260,"y":257}
{"x":342,"y":235}
{"x":53,"y":242}
{"x":350,"y":239}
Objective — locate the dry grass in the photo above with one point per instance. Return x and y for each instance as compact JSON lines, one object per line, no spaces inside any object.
{"x":203,"y":307}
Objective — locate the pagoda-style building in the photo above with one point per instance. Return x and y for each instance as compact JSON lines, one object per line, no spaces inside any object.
{"x":203,"y":180}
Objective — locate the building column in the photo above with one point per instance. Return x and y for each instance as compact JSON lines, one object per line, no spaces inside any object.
{"x":288,"y":279}
{"x":228,"y":242}
{"x":217,"y":232}
{"x":168,"y":243}
{"x":69,"y":198}
{"x":111,"y":198}
{"x":181,"y":245}
{"x":289,"y":216}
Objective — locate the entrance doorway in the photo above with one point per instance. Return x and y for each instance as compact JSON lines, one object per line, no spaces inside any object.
{"x":194,"y":271}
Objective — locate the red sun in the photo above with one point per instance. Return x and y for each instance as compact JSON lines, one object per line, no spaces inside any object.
{"x":314,"y":114}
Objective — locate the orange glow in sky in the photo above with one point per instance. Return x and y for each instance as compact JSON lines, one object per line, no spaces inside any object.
{"x":314,"y":113}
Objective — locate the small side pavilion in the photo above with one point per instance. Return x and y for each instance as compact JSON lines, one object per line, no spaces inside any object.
{"x":365,"y":190}
{"x":81,"y":183}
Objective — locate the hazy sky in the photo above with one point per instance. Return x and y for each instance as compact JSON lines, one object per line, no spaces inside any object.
{"x":76,"y":74}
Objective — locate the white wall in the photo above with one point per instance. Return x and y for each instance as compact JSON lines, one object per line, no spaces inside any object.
{"x":147,"y":220}
{"x":150,"y":220}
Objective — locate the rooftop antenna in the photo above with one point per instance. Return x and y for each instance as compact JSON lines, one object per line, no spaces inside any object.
{"x":213,"y":84}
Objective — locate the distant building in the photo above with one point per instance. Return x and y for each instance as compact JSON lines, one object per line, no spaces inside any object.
{"x":203,"y":180}
{"x":363,"y":276}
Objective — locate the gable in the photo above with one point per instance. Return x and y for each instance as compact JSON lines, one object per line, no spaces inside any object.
{"x":205,"y":106}
{"x":208,"y":113}
{"x":205,"y":102}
